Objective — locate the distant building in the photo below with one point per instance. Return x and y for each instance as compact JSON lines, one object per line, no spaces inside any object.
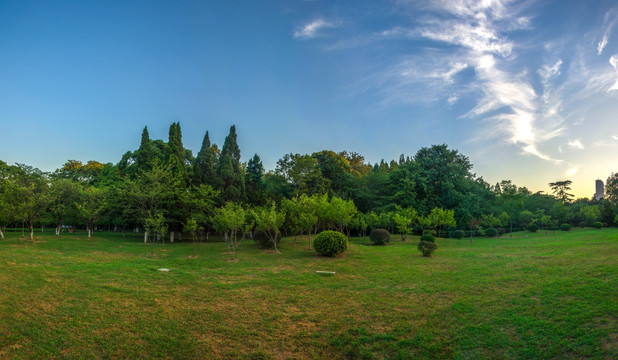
{"x":600,"y":190}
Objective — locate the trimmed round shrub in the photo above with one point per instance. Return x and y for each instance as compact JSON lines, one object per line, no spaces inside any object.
{"x":426,"y":248}
{"x":582,"y":224}
{"x":263,"y":241}
{"x":565,"y":227}
{"x":491,"y":232}
{"x":533,"y":227}
{"x":501,"y":231}
{"x":380,"y":236}
{"x":427,"y":237}
{"x":330,"y":243}
{"x":458,"y":234}
{"x":597,"y":224}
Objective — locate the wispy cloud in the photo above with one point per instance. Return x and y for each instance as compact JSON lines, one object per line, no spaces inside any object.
{"x":576,"y":144}
{"x":509,"y":101}
{"x":311,"y":30}
{"x":614,"y":62}
{"x":611,"y":18}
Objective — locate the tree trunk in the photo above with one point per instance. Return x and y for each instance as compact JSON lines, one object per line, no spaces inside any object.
{"x":171,"y":237}
{"x":1,"y":233}
{"x":23,"y":229}
{"x":145,"y":237}
{"x":31,"y":231}
{"x":58,"y":230}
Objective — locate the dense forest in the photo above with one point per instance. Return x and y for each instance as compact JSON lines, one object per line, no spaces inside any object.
{"x":163,"y":188}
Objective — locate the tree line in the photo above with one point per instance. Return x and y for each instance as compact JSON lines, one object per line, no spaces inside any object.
{"x":163,"y":188}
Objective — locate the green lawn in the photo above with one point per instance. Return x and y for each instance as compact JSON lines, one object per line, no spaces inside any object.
{"x":543,"y":296}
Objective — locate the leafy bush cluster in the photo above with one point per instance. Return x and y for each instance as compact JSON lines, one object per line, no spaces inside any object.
{"x":533,"y":227}
{"x":426,"y":248}
{"x":565,"y":227}
{"x":380,"y":236}
{"x":491,"y":232}
{"x":582,"y":224}
{"x":428,"y":237}
{"x":458,"y":234}
{"x":330,"y":243}
{"x":597,"y":224}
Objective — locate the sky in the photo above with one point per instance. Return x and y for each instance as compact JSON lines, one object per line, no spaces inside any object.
{"x":528,"y":90}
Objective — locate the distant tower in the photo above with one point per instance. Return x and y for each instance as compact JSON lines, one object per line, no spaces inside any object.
{"x":600,"y":190}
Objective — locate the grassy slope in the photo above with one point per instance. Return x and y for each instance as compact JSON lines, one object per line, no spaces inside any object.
{"x":546,"y":296}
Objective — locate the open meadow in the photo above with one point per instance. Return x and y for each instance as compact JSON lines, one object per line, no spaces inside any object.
{"x":527,"y":297}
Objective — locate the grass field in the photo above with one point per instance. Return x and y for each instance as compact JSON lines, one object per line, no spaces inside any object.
{"x":528,"y":297}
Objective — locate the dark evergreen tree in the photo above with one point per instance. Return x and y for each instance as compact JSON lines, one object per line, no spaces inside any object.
{"x":145,"y":154}
{"x":204,"y":165}
{"x":254,"y":182}
{"x":231,"y":177}
{"x":177,"y":154}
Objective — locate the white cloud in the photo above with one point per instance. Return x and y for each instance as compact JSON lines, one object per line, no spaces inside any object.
{"x":572,"y":171}
{"x":576,"y":144}
{"x":611,"y":18}
{"x":614,"y":62}
{"x":311,"y":29}
{"x":615,"y":137}
{"x":601,"y":45}
{"x":547,"y":72}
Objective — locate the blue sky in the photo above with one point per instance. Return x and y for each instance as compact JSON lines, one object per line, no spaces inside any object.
{"x":527,"y":89}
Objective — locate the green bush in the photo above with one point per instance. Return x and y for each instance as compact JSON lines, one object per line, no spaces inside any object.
{"x":458,"y":234}
{"x":491,"y":232}
{"x":330,"y":243}
{"x":597,"y":224}
{"x":533,"y":227}
{"x":582,"y":224}
{"x":427,"y":237}
{"x":565,"y":227}
{"x":263,"y":241}
{"x":380,"y":236}
{"x":426,"y":247}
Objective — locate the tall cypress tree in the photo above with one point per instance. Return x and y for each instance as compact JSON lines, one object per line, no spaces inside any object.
{"x":145,"y":154}
{"x":204,"y":166}
{"x":231,"y":177}
{"x":177,"y":151}
{"x":254,"y":183}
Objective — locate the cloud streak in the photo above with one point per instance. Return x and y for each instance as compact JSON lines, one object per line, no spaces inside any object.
{"x":312,"y":29}
{"x":611,"y":18}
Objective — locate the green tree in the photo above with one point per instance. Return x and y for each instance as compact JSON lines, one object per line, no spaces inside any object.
{"x":590,"y":213}
{"x":232,"y":179}
{"x":63,"y":193}
{"x":404,"y":219}
{"x":145,"y":155}
{"x":303,"y":173}
{"x":441,"y":219}
{"x":90,"y":205}
{"x":156,"y":226}
{"x":269,"y":220}
{"x":560,"y":189}
{"x":177,"y":156}
{"x":192,"y":227}
{"x":611,"y":189}
{"x":254,"y":183}
{"x":231,"y":221}
{"x":29,"y":194}
{"x":204,"y":170}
